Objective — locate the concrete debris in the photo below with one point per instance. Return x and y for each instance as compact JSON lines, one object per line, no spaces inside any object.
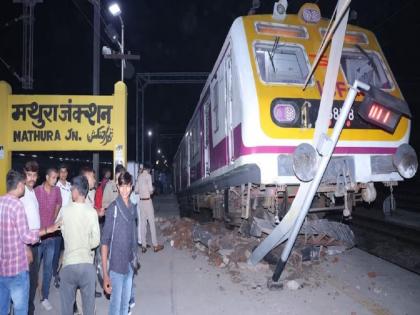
{"x":200,"y":247}
{"x":310,"y":253}
{"x":335,"y":250}
{"x":226,"y":252}
{"x":178,"y":232}
{"x":377,"y":290}
{"x":260,"y":267}
{"x":225,"y":248}
{"x":292,"y":285}
{"x":260,"y":226}
{"x":201,"y":235}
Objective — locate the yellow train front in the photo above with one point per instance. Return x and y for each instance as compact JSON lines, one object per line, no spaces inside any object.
{"x":253,"y":112}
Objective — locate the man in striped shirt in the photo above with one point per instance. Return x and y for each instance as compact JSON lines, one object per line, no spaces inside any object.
{"x":14,"y":235}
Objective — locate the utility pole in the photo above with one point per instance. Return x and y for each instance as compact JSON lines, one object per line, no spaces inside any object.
{"x":96,"y":45}
{"x":96,"y":64}
{"x":28,"y":7}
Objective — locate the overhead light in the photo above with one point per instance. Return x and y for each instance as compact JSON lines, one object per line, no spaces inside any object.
{"x":34,"y":155}
{"x":149,"y":133}
{"x":106,"y":50}
{"x":21,"y":154}
{"x":51,"y":157}
{"x":114,"y":8}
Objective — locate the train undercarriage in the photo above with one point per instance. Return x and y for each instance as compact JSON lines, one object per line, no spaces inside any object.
{"x":256,"y":208}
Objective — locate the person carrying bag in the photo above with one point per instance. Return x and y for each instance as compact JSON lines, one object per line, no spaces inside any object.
{"x":119,"y":248}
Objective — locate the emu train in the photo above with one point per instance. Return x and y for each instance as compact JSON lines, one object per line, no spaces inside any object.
{"x":236,"y":157}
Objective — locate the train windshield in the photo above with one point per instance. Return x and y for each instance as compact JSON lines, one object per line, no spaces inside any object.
{"x":365,"y":66}
{"x":281,"y":63}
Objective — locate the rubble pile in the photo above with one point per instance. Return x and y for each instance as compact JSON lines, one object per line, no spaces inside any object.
{"x":223,"y":246}
{"x":178,"y":232}
{"x":229,"y":248}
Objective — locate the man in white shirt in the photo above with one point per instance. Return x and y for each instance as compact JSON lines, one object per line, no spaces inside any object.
{"x":65,"y":187}
{"x":32,"y":214}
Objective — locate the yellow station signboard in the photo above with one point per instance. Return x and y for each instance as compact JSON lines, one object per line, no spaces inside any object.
{"x":61,"y":123}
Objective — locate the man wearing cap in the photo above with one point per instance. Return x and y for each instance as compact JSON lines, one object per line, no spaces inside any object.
{"x":144,"y":188}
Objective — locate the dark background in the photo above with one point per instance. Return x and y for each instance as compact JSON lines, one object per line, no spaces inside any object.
{"x":182,"y":35}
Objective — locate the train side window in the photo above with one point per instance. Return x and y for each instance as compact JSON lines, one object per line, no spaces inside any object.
{"x":214,"y":94}
{"x":285,"y":63}
{"x":365,"y":66}
{"x":195,"y":138}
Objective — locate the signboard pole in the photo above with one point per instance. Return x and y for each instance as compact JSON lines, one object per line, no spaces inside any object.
{"x":5,"y":158}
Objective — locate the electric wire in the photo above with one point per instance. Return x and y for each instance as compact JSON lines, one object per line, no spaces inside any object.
{"x":105,"y":40}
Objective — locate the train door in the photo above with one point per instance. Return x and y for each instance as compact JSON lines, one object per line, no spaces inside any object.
{"x":207,"y":138}
{"x":227,"y":100}
{"x":229,"y":107}
{"x":188,"y":151}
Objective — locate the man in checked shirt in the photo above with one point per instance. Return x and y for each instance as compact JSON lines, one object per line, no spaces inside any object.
{"x":14,"y":235}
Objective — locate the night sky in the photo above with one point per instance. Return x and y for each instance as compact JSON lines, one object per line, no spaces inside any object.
{"x":182,"y":35}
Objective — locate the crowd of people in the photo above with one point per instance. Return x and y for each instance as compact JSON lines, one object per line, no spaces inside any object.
{"x":75,"y":231}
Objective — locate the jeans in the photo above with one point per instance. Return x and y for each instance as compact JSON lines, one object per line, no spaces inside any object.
{"x":133,"y":293}
{"x":57,"y":252}
{"x":46,"y":252}
{"x":121,"y":292}
{"x":15,"y":288}
{"x":33,"y":278}
{"x":76,"y":276}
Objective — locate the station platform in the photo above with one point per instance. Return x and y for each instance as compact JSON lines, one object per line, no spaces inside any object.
{"x":183,"y":282}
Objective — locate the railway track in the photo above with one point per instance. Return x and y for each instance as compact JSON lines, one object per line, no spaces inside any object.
{"x":396,"y":243}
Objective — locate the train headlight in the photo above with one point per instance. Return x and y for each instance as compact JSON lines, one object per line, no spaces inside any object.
{"x":305,"y":162}
{"x":382,"y":109}
{"x":405,"y":160}
{"x":283,"y":113}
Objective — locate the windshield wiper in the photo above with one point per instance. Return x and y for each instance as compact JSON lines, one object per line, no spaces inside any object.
{"x":273,"y":51}
{"x":371,"y":61}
